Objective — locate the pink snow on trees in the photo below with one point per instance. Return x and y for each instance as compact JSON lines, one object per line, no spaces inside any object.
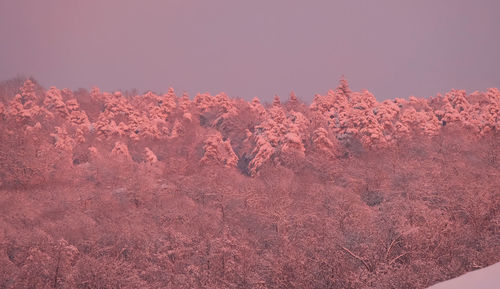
{"x":150,"y":156}
{"x":489,"y":112}
{"x":293,"y":98}
{"x":226,"y":187}
{"x":76,"y":116}
{"x":93,"y":150}
{"x":258,"y":107}
{"x":260,"y":134}
{"x":297,"y":127}
{"x":276,"y":100}
{"x":293,"y":144}
{"x":120,"y":151}
{"x":262,"y":152}
{"x":53,"y":102}
{"x":24,"y":107}
{"x":386,"y":114}
{"x":420,"y":122}
{"x":153,"y":122}
{"x":177,"y":129}
{"x":32,"y":129}
{"x":219,"y":152}
{"x":362,"y":122}
{"x":323,"y":143}
{"x":453,"y":113}
{"x":226,"y":108}
{"x":280,"y":131}
{"x":185,"y":105}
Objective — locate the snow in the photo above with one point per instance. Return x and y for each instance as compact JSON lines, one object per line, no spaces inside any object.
{"x":486,"y":278}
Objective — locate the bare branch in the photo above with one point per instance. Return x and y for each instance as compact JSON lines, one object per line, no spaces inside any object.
{"x":396,"y":240}
{"x":357,"y":257}
{"x":395,"y":259}
{"x":390,"y":246}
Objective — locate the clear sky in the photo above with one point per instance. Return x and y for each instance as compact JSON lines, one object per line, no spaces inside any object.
{"x":394,"y":48}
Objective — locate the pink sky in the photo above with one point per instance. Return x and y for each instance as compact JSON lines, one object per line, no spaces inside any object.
{"x":254,"y":48}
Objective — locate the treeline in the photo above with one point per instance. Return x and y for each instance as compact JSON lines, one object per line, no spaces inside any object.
{"x":75,"y":127}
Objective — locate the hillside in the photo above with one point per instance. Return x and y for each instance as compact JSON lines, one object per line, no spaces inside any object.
{"x":126,"y":190}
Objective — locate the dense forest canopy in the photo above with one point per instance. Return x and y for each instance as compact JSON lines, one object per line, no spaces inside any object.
{"x":220,"y":130}
{"x":126,"y":190}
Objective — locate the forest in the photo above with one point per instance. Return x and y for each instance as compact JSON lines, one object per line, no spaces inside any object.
{"x":126,"y":190}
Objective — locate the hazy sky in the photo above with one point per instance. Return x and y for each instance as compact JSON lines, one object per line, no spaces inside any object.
{"x":253,"y":48}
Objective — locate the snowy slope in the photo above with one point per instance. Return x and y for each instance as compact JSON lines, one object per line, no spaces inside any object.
{"x":486,"y":278}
